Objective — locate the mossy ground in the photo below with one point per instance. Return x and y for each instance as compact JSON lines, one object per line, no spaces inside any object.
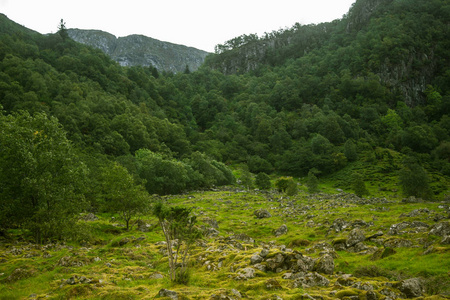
{"x":119,"y":264}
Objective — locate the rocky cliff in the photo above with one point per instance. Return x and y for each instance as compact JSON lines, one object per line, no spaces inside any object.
{"x":142,"y":50}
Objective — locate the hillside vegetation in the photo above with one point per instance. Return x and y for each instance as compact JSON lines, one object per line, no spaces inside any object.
{"x":359,"y":106}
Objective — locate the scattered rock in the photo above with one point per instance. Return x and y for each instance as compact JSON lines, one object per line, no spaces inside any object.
{"x":255,"y":259}
{"x":310,"y":280}
{"x":19,"y":274}
{"x":167,"y":293}
{"x":339,"y":225}
{"x":264,"y":252}
{"x":89,"y":217}
{"x":124,"y":241}
{"x":210,"y":232}
{"x":325,"y":265}
{"x":280,"y":231}
{"x":211,"y":222}
{"x":156,"y":276}
{"x":398,"y":228}
{"x":397,"y":243}
{"x":412,"y":287}
{"x":262,"y":213}
{"x":272,"y":284}
{"x":440,"y":229}
{"x":244,"y":238}
{"x":356,"y":236}
{"x":246,"y":273}
{"x":382,"y":253}
{"x":371,"y":295}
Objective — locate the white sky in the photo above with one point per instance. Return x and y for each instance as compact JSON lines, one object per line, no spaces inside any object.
{"x":197,"y":23}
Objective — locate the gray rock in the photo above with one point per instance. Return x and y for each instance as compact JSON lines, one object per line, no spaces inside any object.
{"x":311,"y":280}
{"x":260,"y":267}
{"x":262,"y":213}
{"x":397,"y":243}
{"x":398,"y":228}
{"x":89,"y":217}
{"x":255,"y":259}
{"x":272,"y":284}
{"x":264,"y":252}
{"x":156,"y":276}
{"x":247,"y":273}
{"x":440,"y":229}
{"x":339,"y":225}
{"x":167,"y":293}
{"x":72,"y":280}
{"x":445,"y":240}
{"x":412,"y":288}
{"x":280,"y":231}
{"x":356,"y":236}
{"x":371,"y":295}
{"x":325,"y":265}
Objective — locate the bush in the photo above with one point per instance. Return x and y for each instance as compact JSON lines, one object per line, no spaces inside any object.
{"x":263,"y":181}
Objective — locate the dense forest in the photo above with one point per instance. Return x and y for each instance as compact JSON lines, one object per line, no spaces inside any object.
{"x":78,"y":132}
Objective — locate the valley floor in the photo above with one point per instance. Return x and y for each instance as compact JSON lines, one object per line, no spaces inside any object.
{"x":256,"y":245}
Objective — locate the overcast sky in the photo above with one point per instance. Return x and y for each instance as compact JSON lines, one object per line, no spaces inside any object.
{"x":197,"y":23}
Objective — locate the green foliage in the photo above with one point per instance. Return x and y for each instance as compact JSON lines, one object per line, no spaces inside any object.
{"x":312,"y":182}
{"x":177,"y":224}
{"x":350,"y":150}
{"x":262,"y":181}
{"x":42,"y":180}
{"x":358,"y":184}
{"x":246,"y":178}
{"x":163,"y":176}
{"x":283,"y":184}
{"x":414,"y":180}
{"x":120,"y":194}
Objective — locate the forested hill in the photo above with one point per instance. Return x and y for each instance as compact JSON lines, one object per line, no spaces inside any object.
{"x":404,"y":43}
{"x":365,"y":95}
{"x":140,"y":50}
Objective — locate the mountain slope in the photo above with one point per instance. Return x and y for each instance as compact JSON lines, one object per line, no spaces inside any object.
{"x":140,"y":50}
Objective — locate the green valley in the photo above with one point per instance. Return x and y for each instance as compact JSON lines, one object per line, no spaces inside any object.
{"x":309,"y":163}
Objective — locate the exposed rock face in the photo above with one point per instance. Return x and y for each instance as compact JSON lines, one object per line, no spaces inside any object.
{"x":140,"y":50}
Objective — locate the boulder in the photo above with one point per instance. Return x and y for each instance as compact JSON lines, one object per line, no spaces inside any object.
{"x":262,"y":213}
{"x":325,"y":265}
{"x":264,"y":252}
{"x":19,"y":274}
{"x":397,"y":243}
{"x":356,"y":236}
{"x":440,"y":229}
{"x":89,"y":217}
{"x":398,"y":228}
{"x":339,"y":225}
{"x":280,"y":231}
{"x":382,"y":253}
{"x":255,"y":259}
{"x":167,"y":293}
{"x":272,"y":284}
{"x":246,"y":273}
{"x":412,"y":287}
{"x":311,"y":280}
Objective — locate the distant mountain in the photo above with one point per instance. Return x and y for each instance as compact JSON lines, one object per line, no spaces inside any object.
{"x":141,"y":50}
